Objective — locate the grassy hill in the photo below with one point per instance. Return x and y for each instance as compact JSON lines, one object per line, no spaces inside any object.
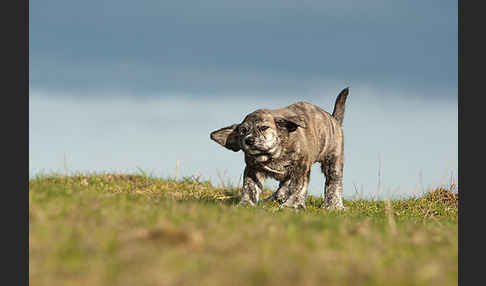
{"x":135,"y":230}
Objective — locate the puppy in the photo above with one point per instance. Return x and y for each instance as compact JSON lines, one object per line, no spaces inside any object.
{"x":283,"y":144}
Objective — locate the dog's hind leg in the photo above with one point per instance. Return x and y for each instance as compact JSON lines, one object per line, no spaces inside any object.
{"x":281,"y":194}
{"x":252,"y":186}
{"x":332,"y":167}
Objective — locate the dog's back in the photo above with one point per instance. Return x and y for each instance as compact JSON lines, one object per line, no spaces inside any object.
{"x":323,"y":133}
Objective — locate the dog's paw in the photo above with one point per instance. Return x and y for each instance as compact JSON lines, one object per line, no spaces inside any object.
{"x":247,"y":203}
{"x":274,"y":198}
{"x":334,"y":207}
{"x":293,"y":205}
{"x":278,"y":196}
{"x":270,"y":198}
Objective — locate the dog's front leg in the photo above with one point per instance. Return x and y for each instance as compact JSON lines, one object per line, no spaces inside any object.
{"x":252,"y":186}
{"x":297,"y":188}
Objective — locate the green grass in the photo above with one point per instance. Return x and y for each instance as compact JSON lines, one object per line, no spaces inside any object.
{"x":136,"y":230}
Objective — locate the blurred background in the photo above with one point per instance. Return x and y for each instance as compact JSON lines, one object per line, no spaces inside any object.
{"x":137,"y":86}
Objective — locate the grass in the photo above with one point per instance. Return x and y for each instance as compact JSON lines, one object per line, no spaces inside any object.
{"x":136,"y":230}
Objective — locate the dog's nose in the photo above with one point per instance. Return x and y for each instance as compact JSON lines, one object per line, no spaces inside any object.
{"x":250,"y":141}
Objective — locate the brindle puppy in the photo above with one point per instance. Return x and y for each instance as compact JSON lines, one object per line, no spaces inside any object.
{"x":283,"y":144}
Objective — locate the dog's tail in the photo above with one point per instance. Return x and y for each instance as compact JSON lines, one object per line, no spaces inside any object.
{"x":338,"y":112}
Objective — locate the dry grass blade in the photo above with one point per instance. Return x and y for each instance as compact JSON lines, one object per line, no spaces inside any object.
{"x":391,"y":220}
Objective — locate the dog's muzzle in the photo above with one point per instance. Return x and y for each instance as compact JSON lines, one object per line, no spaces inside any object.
{"x":250,"y":141}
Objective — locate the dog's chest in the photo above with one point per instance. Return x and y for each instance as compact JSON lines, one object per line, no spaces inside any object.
{"x":278,"y":170}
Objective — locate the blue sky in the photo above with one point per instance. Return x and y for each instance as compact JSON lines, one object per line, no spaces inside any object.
{"x":108,"y":77}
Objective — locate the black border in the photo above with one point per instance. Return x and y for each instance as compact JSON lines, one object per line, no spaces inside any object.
{"x":15,"y":135}
{"x":463,"y":280}
{"x":470,"y":142}
{"x":26,"y":92}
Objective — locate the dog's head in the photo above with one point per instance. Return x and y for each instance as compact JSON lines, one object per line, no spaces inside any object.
{"x":260,"y":135}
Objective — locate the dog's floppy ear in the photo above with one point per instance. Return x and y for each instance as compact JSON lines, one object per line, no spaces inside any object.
{"x":227,"y":137}
{"x":291,"y":123}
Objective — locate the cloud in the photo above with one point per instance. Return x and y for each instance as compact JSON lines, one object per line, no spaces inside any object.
{"x":150,"y":44}
{"x":138,"y":79}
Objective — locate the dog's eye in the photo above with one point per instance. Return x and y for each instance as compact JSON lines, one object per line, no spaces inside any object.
{"x":243,"y":130}
{"x":263,"y":128}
